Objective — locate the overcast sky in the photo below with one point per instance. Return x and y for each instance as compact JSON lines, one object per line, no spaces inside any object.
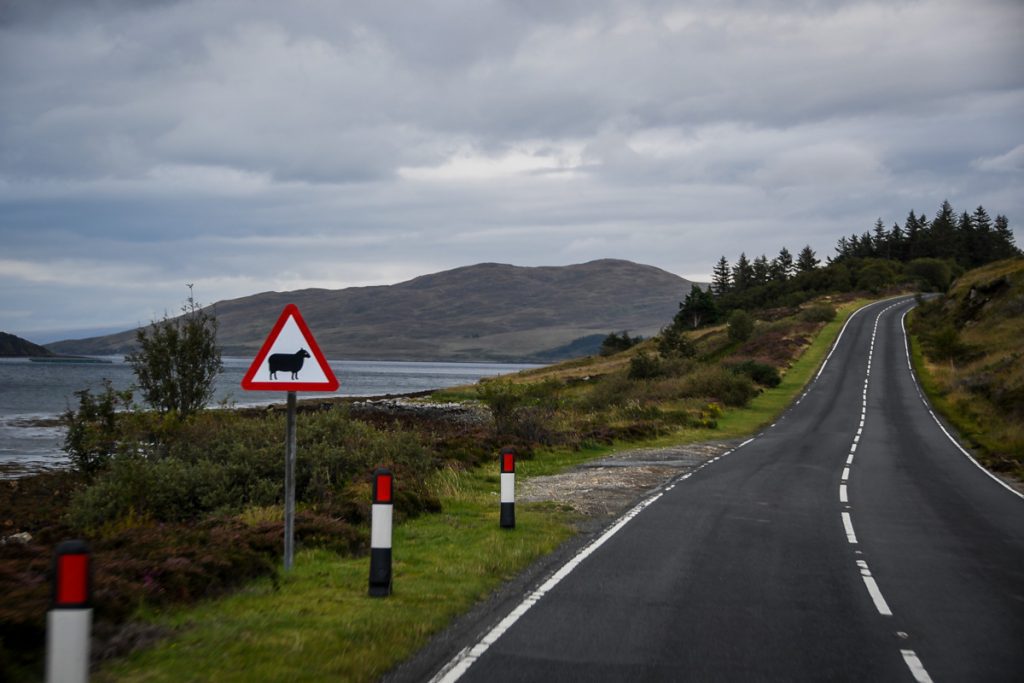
{"x":247,"y":146}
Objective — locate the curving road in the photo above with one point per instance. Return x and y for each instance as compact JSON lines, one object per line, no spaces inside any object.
{"x":852,"y":540}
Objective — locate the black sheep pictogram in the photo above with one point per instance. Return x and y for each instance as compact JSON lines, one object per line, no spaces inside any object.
{"x":287,"y":362}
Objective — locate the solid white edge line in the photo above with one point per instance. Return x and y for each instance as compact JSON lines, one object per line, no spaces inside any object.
{"x":917,"y":669}
{"x":461,"y":662}
{"x":906,"y":346}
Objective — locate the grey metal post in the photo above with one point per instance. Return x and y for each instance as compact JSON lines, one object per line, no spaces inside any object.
{"x":289,"y":485}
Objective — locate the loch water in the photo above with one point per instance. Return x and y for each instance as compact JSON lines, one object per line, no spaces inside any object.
{"x":33,"y":394}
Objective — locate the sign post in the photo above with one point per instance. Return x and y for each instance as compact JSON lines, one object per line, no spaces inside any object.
{"x":278,"y":366}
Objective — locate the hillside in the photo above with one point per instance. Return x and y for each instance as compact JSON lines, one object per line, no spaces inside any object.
{"x":12,"y":346}
{"x":486,"y":311}
{"x":973,"y":344}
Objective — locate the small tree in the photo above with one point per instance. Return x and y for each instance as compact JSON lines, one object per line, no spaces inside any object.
{"x":672,"y":343}
{"x":698,"y":308}
{"x":807,"y":260}
{"x":178,"y":360}
{"x":741,"y":326}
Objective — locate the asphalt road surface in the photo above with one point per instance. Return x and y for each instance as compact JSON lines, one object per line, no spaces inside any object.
{"x":852,"y":540}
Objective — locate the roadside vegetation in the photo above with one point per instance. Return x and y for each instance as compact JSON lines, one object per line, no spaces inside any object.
{"x":183,"y":506}
{"x":968,"y":349}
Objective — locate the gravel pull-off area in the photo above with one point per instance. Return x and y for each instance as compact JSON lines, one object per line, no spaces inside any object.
{"x":604,"y":488}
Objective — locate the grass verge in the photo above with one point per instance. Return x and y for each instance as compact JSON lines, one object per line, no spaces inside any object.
{"x":318,"y":623}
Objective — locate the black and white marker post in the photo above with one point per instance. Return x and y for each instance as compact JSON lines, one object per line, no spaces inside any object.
{"x":380,"y":533}
{"x":508,"y":487}
{"x":69,"y":621}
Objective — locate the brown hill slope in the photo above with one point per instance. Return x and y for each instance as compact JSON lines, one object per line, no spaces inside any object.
{"x":486,"y":311}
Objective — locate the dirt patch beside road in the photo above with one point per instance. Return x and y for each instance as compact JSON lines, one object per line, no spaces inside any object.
{"x":604,"y":488}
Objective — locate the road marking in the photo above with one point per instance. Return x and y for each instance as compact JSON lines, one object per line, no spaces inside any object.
{"x":846,"y":473}
{"x":842,"y":494}
{"x":920,"y":393}
{"x":461,"y":662}
{"x":916,"y":667}
{"x":876,"y":595}
{"x":848,"y":525}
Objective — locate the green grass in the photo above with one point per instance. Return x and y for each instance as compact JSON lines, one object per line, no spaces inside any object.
{"x":768,"y":405}
{"x":319,"y":623}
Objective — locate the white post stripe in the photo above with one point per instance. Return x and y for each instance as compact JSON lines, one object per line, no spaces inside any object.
{"x":508,"y":487}
{"x":380,"y":526}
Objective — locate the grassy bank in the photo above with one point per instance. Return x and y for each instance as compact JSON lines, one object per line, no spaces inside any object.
{"x":318,"y":623}
{"x":968,"y":351}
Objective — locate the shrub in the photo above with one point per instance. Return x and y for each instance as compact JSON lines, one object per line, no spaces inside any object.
{"x":178,"y":360}
{"x":644,"y":366}
{"x":718,"y":383}
{"x":223,"y":462}
{"x":92,"y":431}
{"x":614,"y":343}
{"x":762,"y":373}
{"x":673,"y":343}
{"x":741,"y":325}
{"x":931,"y":274}
{"x":818,"y":313}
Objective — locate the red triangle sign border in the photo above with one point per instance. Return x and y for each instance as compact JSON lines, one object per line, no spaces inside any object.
{"x":250,"y":383}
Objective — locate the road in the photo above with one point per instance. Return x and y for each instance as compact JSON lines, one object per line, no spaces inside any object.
{"x":851,"y":540}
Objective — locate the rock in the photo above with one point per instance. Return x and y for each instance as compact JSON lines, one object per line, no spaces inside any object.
{"x":24,"y":538}
{"x":462,"y":413}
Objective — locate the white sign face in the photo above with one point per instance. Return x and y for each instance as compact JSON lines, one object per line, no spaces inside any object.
{"x":290,"y":359}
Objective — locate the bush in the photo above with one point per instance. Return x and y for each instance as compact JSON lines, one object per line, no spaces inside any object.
{"x":92,"y":431}
{"x":178,"y":360}
{"x":818,"y":313}
{"x":673,"y":343}
{"x":718,"y":383}
{"x":762,"y":373}
{"x":223,"y":462}
{"x":741,"y":326}
{"x":931,"y":274}
{"x":614,"y":343}
{"x":644,"y":366}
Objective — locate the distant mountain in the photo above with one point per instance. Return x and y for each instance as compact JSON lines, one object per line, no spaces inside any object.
{"x":489,"y":311}
{"x":14,"y":347}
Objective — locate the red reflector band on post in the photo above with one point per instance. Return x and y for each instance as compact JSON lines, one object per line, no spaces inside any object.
{"x":508,"y":459}
{"x":71,"y":575}
{"x":72,"y":580}
{"x":382,"y":480}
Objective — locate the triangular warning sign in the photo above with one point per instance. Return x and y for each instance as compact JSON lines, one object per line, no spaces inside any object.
{"x":290,"y":359}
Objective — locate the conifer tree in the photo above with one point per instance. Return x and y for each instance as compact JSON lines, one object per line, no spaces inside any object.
{"x":807,"y":260}
{"x":742,"y":273}
{"x":761,"y":270}
{"x":880,"y":240}
{"x":698,"y":308}
{"x":782,"y":265}
{"x":721,"y":277}
{"x":1004,"y":245}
